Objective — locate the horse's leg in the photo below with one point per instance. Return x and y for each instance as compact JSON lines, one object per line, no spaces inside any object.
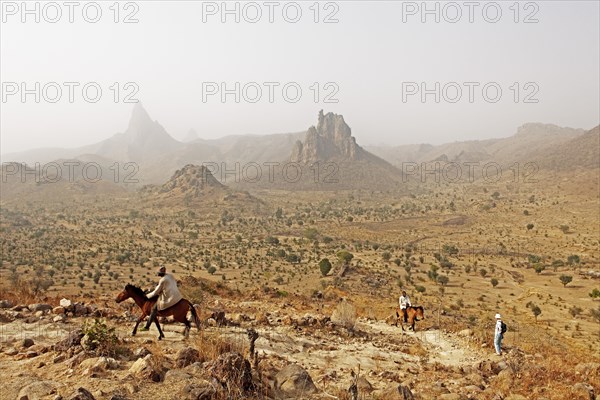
{"x":188,"y":327}
{"x":160,"y":332}
{"x":137,"y":323}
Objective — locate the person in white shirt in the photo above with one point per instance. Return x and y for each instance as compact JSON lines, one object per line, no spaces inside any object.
{"x":168,"y":295}
{"x":498,"y":336}
{"x":404,"y":302}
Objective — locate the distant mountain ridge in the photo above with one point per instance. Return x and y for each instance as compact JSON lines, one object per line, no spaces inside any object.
{"x":158,"y":155}
{"x":529,"y":137}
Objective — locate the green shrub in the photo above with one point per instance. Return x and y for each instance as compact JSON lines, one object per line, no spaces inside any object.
{"x":99,"y":338}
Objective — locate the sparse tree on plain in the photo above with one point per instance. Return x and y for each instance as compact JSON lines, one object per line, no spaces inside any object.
{"x":565,"y":279}
{"x":325,"y":266}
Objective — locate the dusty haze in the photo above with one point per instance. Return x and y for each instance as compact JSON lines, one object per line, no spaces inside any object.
{"x":367,"y":54}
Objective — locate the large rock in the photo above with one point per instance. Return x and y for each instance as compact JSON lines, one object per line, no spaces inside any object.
{"x":39,"y":307}
{"x":293,"y":380}
{"x":199,"y":390}
{"x":187,"y":356}
{"x":231,"y":370}
{"x":65,"y":303}
{"x":81,"y":394}
{"x":98,"y":364}
{"x":73,"y":339}
{"x":6,"y":304}
{"x":59,"y":310}
{"x":147,"y":368}
{"x":176,"y":376}
{"x":38,"y":390}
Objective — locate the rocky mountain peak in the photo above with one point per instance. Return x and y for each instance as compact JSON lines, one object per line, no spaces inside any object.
{"x":332,"y":138}
{"x":146,"y":138}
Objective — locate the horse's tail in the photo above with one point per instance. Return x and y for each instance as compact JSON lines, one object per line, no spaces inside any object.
{"x":194,"y":314}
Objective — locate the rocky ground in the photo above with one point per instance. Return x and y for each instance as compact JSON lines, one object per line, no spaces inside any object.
{"x":297,"y":353}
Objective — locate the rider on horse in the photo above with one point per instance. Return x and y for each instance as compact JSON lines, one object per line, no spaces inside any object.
{"x":167,"y":292}
{"x":404,"y":302}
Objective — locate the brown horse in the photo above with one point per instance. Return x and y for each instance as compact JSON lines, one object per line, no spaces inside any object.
{"x":178,"y":311}
{"x":412,"y":313}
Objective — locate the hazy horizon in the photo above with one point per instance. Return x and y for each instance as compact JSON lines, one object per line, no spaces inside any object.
{"x":368,"y":55}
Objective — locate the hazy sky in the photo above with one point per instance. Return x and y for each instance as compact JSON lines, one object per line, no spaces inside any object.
{"x":371,"y":55}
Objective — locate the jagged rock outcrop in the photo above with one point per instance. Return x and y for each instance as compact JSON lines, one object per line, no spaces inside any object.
{"x":331,"y":139}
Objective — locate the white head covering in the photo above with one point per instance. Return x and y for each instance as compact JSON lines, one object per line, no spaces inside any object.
{"x":498,"y":316}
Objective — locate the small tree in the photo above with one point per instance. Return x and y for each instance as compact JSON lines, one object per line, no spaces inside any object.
{"x":595,"y":294}
{"x":536,"y":311}
{"x":539,"y":268}
{"x":325,"y":266}
{"x":565,"y":279}
{"x":529,"y":227}
{"x":211,"y":270}
{"x":386,"y":256}
{"x":573,"y":259}
{"x":483,"y":272}
{"x":494,"y":282}
{"x":443,"y":280}
{"x":345,"y":256}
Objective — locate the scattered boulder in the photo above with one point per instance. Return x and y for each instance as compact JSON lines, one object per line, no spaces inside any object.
{"x":81,"y":394}
{"x":39,"y":307}
{"x":199,"y":390}
{"x":187,"y":356}
{"x":6,"y":304}
{"x":38,"y":390}
{"x":65,"y":303}
{"x":294,"y":380}
{"x":59,"y":310}
{"x":98,"y":364}
{"x":11,"y":351}
{"x":146,"y":368}
{"x":174,"y":376}
{"x":72,"y":340}
{"x":141,"y":352}
{"x":26,"y":343}
{"x":231,"y":369}
{"x":80,"y":310}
